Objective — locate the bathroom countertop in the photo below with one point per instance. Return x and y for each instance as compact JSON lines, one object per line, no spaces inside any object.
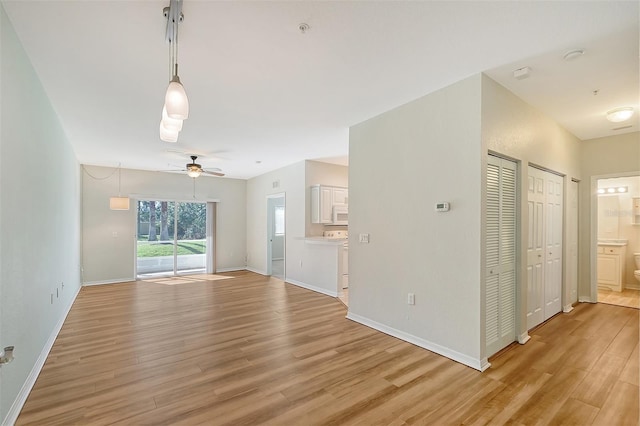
{"x":612,"y":243}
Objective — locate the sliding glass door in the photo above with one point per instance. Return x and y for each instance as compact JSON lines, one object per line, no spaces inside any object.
{"x":172,"y":238}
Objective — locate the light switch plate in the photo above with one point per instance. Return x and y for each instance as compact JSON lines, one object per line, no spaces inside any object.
{"x":364,"y":238}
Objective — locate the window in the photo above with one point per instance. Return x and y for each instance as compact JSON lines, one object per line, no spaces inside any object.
{"x":279,"y":220}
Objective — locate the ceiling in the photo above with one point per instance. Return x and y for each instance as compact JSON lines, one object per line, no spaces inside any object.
{"x":263,"y":94}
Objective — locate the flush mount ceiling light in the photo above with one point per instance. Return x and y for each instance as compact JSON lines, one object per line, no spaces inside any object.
{"x":176,"y":103}
{"x":620,"y":114}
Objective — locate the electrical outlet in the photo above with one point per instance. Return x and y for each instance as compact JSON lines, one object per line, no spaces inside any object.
{"x":364,"y":238}
{"x":411,"y":299}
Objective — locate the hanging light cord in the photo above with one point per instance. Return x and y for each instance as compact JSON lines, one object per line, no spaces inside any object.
{"x":119,"y":179}
{"x":84,"y":169}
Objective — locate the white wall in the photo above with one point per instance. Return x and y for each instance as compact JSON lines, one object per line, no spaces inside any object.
{"x":39,"y":222}
{"x":109,"y":258}
{"x":603,"y":157}
{"x":517,"y":130}
{"x":290,"y":182}
{"x":400,"y":164}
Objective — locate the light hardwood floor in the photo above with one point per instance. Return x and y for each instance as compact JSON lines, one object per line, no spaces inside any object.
{"x":627,"y":297}
{"x":253,"y":350}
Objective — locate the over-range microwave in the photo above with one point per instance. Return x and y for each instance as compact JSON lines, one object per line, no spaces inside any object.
{"x":340,"y":215}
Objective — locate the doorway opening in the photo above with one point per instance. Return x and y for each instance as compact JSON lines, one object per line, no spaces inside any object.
{"x":618,"y":241}
{"x":276,"y":233}
{"x":174,"y":238}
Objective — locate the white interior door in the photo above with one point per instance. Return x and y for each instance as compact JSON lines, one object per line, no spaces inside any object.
{"x":501,"y":248}
{"x":544,"y":252}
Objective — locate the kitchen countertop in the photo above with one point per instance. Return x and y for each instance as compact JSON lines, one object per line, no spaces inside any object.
{"x":323,"y":240}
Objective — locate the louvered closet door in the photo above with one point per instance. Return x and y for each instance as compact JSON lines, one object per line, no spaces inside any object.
{"x":500,"y":254}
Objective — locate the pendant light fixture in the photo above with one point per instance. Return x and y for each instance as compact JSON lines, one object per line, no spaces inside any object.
{"x":119,"y":202}
{"x":176,"y":103}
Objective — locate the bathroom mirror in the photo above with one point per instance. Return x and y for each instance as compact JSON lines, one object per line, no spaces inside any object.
{"x":608,"y":217}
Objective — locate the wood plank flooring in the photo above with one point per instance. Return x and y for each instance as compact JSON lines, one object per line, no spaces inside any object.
{"x":254,"y":350}
{"x":627,"y":297}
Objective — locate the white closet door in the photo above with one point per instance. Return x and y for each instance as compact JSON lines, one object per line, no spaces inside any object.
{"x":553,"y":261}
{"x":500,"y":254}
{"x":544,"y":246}
{"x":535,"y":247}
{"x":572,"y":222}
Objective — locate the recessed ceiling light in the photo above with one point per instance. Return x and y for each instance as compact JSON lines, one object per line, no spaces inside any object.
{"x":573,"y":54}
{"x":601,"y":191}
{"x":619,"y":114}
{"x":611,"y":190}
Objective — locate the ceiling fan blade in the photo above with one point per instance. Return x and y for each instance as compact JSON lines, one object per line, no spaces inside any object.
{"x":212,"y":173}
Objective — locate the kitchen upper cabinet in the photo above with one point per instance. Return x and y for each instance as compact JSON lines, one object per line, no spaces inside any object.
{"x":339,"y":196}
{"x":323,"y":199}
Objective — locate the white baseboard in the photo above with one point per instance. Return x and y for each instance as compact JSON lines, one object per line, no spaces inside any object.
{"x":256,"y":271}
{"x":312,"y":287}
{"x":568,"y":308}
{"x":634,"y":286}
{"x":477,"y":364}
{"x":233,"y":269}
{"x":115,"y":281}
{"x":583,"y":299}
{"x":21,"y":398}
{"x":524,"y":338}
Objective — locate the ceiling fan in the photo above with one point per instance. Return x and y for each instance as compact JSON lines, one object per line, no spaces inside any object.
{"x":194,"y":169}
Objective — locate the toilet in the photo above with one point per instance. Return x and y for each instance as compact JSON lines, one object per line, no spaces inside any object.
{"x":636,"y":273}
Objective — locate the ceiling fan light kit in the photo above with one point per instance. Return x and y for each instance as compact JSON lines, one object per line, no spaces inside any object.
{"x":194,"y":169}
{"x":176,"y":103}
{"x":619,"y":114}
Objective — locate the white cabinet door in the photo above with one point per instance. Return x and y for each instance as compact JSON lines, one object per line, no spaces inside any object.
{"x":326,"y":209}
{"x":500,"y":295}
{"x":340,"y":196}
{"x":321,"y":210}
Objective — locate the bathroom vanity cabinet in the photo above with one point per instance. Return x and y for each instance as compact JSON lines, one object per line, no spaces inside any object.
{"x":611,"y":266}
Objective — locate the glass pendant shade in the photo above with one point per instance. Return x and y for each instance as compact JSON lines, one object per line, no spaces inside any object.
{"x":193,"y":173}
{"x":169,"y":123}
{"x":176,"y":101}
{"x":168,"y":135}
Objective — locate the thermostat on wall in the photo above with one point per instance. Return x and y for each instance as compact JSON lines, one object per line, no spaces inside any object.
{"x":442,"y":207}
